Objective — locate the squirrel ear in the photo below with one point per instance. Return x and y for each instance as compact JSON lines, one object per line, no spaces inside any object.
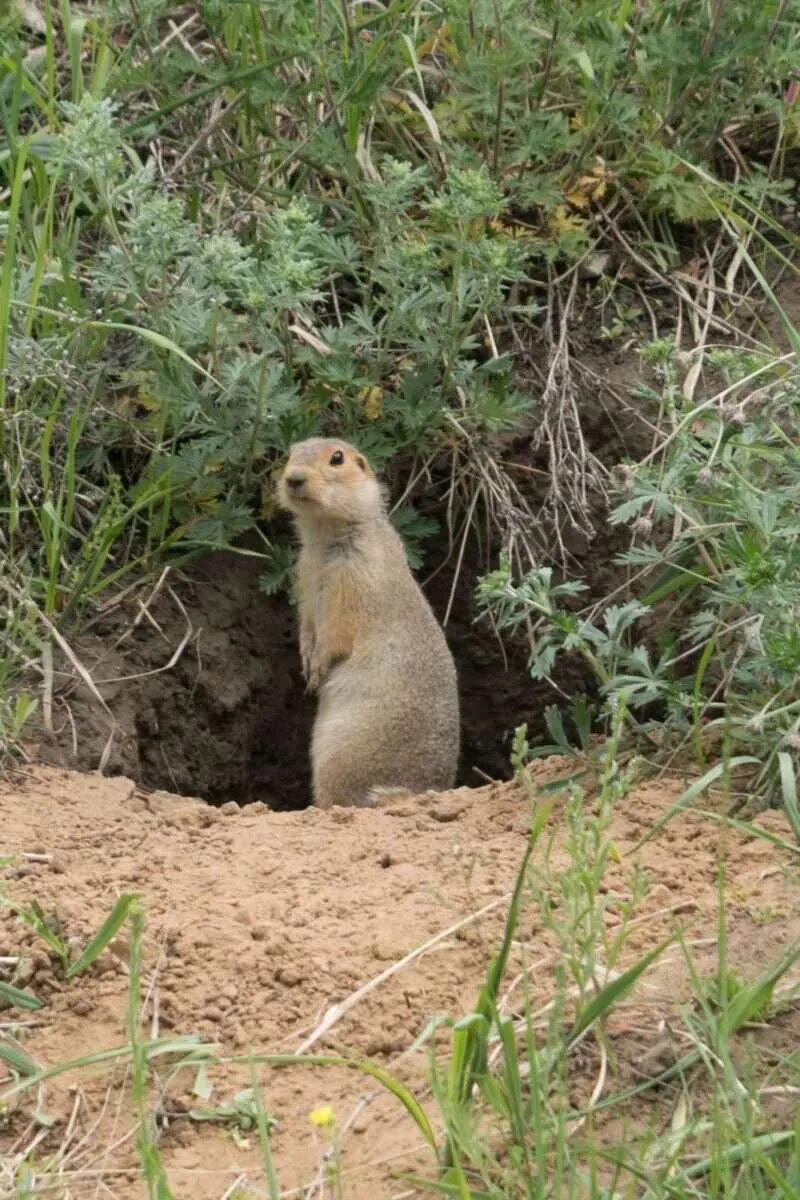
{"x":362,"y":462}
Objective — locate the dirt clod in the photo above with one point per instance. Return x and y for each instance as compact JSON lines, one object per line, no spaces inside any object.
{"x":447,"y":811}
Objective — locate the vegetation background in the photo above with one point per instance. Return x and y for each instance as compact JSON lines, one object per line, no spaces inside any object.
{"x":227,"y":226}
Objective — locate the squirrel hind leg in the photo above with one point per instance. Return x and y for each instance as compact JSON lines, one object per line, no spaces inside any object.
{"x":374,"y":797}
{"x":378,"y":796}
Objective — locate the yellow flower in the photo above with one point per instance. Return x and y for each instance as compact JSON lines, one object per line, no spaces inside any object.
{"x":322,"y":1116}
{"x":373,"y":406}
{"x":587,"y":188}
{"x":561,"y":221}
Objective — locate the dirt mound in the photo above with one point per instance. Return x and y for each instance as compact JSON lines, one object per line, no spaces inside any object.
{"x":258,"y":922}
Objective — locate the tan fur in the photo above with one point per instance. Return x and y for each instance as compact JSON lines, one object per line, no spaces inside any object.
{"x":370,"y":644}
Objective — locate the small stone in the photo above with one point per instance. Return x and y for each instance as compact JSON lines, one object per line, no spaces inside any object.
{"x":384,"y":1042}
{"x":386,"y":860}
{"x":120,"y":945}
{"x":658,"y":1057}
{"x":258,"y":806}
{"x":27,"y":966}
{"x":229,"y":991}
{"x":342,"y":816}
{"x":190,"y":1162}
{"x":230,"y":808}
{"x":81,"y":1006}
{"x":406,"y":809}
{"x":447,"y":812}
{"x":289,"y":976}
{"x":386,"y":950}
{"x":259,"y":933}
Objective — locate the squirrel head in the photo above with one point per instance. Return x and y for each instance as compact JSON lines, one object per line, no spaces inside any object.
{"x":330,"y":481}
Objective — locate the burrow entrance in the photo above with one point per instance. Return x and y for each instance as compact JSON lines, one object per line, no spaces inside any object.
{"x":230,"y":718}
{"x":202,"y":683}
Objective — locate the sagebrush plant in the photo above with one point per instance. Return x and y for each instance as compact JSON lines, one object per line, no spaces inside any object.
{"x":304,"y":219}
{"x":709,"y":649}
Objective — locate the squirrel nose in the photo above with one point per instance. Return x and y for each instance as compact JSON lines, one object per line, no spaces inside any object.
{"x":295,"y":482}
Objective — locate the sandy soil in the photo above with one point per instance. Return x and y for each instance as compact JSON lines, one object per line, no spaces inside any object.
{"x":257,"y":922}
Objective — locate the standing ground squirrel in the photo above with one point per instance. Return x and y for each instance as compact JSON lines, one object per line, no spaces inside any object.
{"x":388,"y":699}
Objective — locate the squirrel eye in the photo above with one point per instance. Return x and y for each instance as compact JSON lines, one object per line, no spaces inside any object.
{"x":337,"y":458}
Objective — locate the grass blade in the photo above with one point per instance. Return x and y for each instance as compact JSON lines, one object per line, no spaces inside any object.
{"x":612,"y":993}
{"x":739,"y":1152}
{"x":752,"y":999}
{"x":35,"y":919}
{"x":18,"y":1062}
{"x":104,"y":935}
{"x":753,"y":831}
{"x":789,"y":790}
{"x":9,"y":262}
{"x":17,"y":998}
{"x":470,"y":1059}
{"x":691,"y":794}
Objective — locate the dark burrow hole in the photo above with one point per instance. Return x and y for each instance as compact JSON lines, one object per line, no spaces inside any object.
{"x":230,"y":719}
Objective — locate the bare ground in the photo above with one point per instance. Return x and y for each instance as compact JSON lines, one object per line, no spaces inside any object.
{"x":259,"y":921}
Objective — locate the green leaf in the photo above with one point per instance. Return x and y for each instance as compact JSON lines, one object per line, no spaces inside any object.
{"x":740,"y":1152}
{"x":674,"y":579}
{"x":17,"y":998}
{"x":35,"y":919}
{"x":104,"y":935}
{"x":555,"y":724}
{"x":612,"y":993}
{"x":443,"y":1187}
{"x":585,"y":64}
{"x":582,"y":712}
{"x":754,"y":998}
{"x":19,"y":1062}
{"x":789,"y":790}
{"x":560,"y":785}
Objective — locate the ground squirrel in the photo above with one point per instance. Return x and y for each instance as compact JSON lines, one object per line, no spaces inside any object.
{"x":388,"y":702}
